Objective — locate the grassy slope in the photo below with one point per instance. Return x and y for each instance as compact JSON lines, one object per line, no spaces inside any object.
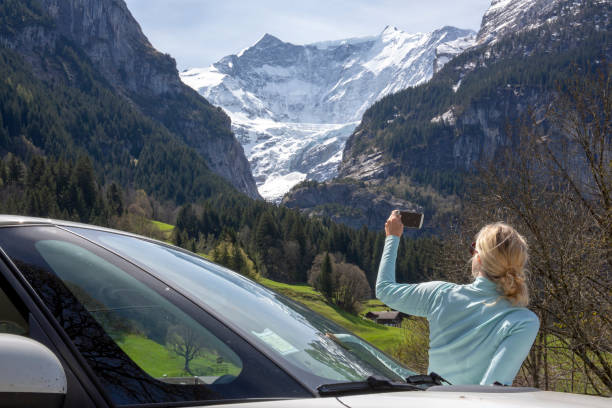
{"x":157,"y":361}
{"x":384,"y":337}
{"x":165,"y":229}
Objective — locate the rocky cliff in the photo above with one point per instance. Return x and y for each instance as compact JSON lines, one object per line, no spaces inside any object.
{"x":107,"y":34}
{"x":434,"y":134}
{"x":459,"y":118}
{"x":349,"y":203}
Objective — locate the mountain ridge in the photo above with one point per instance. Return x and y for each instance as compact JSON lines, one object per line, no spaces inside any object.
{"x":293,"y":106}
{"x":432,"y":135}
{"x":116,"y":94}
{"x":514,"y":48}
{"x":107,"y":34}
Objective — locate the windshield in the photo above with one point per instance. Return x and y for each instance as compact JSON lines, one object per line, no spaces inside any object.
{"x":313,"y":348}
{"x":143,"y":339}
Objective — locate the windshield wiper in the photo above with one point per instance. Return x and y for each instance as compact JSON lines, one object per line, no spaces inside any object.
{"x":373,"y":383}
{"x":431,"y":379}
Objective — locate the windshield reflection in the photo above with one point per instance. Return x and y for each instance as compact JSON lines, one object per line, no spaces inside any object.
{"x":289,"y":330}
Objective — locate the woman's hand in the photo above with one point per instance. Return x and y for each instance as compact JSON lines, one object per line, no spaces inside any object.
{"x":394,"y":225}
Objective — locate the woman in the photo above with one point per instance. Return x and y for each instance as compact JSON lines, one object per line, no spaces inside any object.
{"x":479,"y":333}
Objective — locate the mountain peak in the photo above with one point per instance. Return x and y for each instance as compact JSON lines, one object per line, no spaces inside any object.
{"x":267,"y":40}
{"x":392,"y":33}
{"x":294,"y":106}
{"x":389,"y":29}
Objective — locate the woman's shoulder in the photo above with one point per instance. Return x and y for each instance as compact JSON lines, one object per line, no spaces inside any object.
{"x":521,"y":316}
{"x":439,"y":286}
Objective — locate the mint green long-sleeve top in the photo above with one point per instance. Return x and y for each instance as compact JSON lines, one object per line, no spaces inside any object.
{"x":476,"y":336}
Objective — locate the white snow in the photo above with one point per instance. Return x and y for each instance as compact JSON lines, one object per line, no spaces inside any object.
{"x":324,"y":45}
{"x":447,"y":117}
{"x":202,"y":78}
{"x":456,"y":86}
{"x":457,"y":46}
{"x":294,"y":107}
{"x":277,"y":185}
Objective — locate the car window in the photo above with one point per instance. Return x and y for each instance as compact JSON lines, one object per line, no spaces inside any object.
{"x":314,"y":348}
{"x":145,"y":341}
{"x":163,"y":340}
{"x":11,"y":321}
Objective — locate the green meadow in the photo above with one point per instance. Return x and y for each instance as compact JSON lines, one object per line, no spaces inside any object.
{"x":158,"y":361}
{"x":165,"y":229}
{"x":384,"y":337}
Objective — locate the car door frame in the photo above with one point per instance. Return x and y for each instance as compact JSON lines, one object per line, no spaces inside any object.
{"x":82,"y":383}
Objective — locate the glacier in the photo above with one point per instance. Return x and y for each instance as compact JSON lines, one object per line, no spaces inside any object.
{"x":294,"y":106}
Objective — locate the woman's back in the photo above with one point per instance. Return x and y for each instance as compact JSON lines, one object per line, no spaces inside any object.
{"x":476,"y":335}
{"x":472,"y":329}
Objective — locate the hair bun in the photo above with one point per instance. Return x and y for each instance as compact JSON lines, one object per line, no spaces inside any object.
{"x":508,"y":282}
{"x":503,"y":254}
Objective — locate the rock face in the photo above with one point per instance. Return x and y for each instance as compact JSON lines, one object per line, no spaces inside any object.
{"x":109,"y":36}
{"x":470,"y":125}
{"x":352,"y":204}
{"x":294,"y":106}
{"x":435,"y":133}
{"x":513,"y":16}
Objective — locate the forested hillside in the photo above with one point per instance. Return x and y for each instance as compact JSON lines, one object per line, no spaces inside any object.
{"x":81,"y":76}
{"x":436,"y":131}
{"x":250,"y":236}
{"x":84,"y":137}
{"x":59,"y":120}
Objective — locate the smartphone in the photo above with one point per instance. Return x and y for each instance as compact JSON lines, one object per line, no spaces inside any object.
{"x":412,"y":219}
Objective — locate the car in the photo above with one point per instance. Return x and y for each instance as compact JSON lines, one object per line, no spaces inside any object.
{"x":94,"y":317}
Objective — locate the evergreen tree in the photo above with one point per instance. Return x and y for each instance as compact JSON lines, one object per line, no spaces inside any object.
{"x":236,"y":261}
{"x":376,"y":255}
{"x":115,"y":199}
{"x":266,"y":233}
{"x":325,"y":278}
{"x":187,"y":221}
{"x":35,"y":172}
{"x":2,"y":172}
{"x":224,"y":257}
{"x":15,"y":170}
{"x":84,"y":180}
{"x":83,"y":189}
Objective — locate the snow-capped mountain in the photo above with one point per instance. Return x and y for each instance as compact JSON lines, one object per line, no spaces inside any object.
{"x":513,"y":16}
{"x":293,"y":106}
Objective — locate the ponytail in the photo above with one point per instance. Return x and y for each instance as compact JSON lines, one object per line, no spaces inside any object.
{"x":503,"y":255}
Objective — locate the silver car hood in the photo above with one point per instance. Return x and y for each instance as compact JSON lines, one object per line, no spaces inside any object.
{"x":504,"y":398}
{"x":471,"y":399}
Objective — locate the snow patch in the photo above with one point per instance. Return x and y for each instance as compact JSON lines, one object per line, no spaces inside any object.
{"x":457,"y":46}
{"x":324,"y":45}
{"x":276,"y":185}
{"x":198,"y":78}
{"x":447,"y":117}
{"x":456,"y":86}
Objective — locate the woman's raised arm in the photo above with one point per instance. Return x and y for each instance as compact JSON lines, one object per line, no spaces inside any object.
{"x":414,"y":299}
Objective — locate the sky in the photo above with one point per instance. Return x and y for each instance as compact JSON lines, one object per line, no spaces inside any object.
{"x":198,"y":33}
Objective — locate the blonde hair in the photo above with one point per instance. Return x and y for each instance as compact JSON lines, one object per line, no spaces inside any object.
{"x":503,"y":255}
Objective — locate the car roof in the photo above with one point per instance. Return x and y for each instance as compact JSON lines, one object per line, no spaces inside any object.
{"x":7,"y":220}
{"x":13,"y":220}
